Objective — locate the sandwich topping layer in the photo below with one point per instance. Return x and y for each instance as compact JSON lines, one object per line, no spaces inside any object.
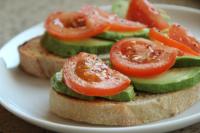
{"x":129,"y":67}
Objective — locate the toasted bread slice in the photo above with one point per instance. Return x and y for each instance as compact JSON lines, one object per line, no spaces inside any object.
{"x":37,"y":61}
{"x":146,"y":108}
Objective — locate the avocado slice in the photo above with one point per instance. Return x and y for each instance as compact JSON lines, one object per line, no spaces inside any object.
{"x":120,"y":7}
{"x":69,"y":48}
{"x":173,"y":80}
{"x":115,"y":36}
{"x":187,"y":61}
{"x":124,"y":96}
{"x":58,"y":85}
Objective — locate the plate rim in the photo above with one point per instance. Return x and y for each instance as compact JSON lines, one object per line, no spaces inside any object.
{"x":53,"y":125}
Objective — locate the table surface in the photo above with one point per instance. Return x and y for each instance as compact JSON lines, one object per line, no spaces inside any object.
{"x":17,"y":16}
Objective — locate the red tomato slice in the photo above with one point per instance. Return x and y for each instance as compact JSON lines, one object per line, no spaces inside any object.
{"x":141,"y":58}
{"x":116,"y":23}
{"x":143,"y":12}
{"x":74,"y":25}
{"x":119,"y":24}
{"x":154,"y":35}
{"x":88,"y":75}
{"x":180,"y":34}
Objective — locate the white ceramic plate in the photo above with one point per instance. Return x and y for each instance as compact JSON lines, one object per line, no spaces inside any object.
{"x":27,"y":97}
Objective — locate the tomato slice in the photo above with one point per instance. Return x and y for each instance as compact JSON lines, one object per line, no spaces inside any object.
{"x":180,"y":34}
{"x":119,"y":24}
{"x":154,"y":35}
{"x":141,"y":57}
{"x":74,"y":25}
{"x":116,"y":23}
{"x":142,"y":11}
{"x":88,"y":75}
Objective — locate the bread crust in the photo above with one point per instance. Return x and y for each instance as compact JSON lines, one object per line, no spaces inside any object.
{"x":146,"y":108}
{"x":37,"y":61}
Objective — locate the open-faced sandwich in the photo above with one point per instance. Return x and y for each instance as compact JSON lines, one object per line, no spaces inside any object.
{"x":152,"y":72}
{"x":140,"y":86}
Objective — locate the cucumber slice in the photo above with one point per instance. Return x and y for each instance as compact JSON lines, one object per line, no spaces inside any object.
{"x":58,"y":85}
{"x":115,"y":36}
{"x":187,"y":61}
{"x":69,"y":48}
{"x":172,"y":80}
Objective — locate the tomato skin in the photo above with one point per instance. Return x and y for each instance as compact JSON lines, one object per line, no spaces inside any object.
{"x":180,"y":34}
{"x":154,"y":35}
{"x":111,"y":83}
{"x":74,"y":25}
{"x":116,"y":23}
{"x":143,"y":12}
{"x":120,"y":62}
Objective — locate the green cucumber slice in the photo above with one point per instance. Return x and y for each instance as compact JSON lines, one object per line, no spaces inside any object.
{"x":69,"y":48}
{"x":58,"y":85}
{"x":172,"y":80}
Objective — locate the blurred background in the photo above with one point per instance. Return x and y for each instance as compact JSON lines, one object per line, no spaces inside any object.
{"x":18,"y":15}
